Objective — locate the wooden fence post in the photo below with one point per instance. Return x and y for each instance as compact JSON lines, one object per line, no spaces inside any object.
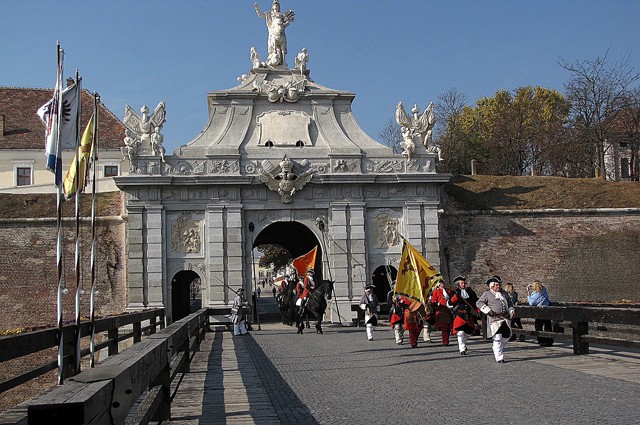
{"x":579,"y":345}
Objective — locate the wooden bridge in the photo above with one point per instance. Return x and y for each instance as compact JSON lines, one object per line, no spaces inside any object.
{"x":187,"y":374}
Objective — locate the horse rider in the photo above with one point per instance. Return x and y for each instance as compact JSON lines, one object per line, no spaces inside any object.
{"x":303,"y":289}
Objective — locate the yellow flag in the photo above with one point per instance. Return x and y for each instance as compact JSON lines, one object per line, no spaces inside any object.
{"x":414,"y":275}
{"x":85,"y":150}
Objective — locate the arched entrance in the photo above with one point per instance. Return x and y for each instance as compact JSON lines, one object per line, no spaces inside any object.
{"x":296,"y":238}
{"x":381,"y":278}
{"x":184,"y":291}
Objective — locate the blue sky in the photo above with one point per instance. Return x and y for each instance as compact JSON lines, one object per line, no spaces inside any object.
{"x":137,"y":52}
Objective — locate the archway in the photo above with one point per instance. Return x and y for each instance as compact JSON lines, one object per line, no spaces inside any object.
{"x":296,"y":238}
{"x":183,"y":294}
{"x":381,"y":278}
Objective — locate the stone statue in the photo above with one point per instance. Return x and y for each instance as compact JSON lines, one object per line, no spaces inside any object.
{"x":301,"y":61}
{"x":131,"y":144}
{"x":156,"y":143}
{"x":417,"y":129}
{"x":144,"y":126}
{"x":276,"y":23}
{"x":255,"y":58}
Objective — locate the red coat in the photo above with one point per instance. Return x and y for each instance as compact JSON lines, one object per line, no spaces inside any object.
{"x":442,"y":313}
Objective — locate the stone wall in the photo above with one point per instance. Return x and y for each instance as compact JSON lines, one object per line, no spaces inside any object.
{"x":28,"y":284}
{"x":579,"y":255}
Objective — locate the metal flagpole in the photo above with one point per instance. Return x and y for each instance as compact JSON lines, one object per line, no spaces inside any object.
{"x":76,"y":181}
{"x":58,"y":116}
{"x":94,"y":165}
{"x":321,"y":227}
{"x":255,"y":282}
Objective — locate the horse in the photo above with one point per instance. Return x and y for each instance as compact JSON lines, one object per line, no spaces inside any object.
{"x":315,"y":306}
{"x":287,"y":303}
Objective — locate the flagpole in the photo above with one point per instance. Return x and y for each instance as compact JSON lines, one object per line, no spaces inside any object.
{"x":321,"y":227}
{"x":60,"y":59}
{"x":77,"y":221}
{"x":96,"y":98}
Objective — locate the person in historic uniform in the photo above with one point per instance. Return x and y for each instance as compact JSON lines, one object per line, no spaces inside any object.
{"x":369,"y":304}
{"x":464,"y":301}
{"x":238,"y":313}
{"x":413,"y":321}
{"x":396,"y":317}
{"x":440,"y":305}
{"x":497,"y":305}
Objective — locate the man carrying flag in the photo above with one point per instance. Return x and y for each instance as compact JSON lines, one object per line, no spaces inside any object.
{"x":415,"y":273}
{"x":304,"y":286}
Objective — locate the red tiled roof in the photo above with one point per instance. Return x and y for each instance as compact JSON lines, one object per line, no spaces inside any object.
{"x":23,"y":129}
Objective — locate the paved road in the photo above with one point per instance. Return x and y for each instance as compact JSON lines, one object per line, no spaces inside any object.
{"x":276,"y":376}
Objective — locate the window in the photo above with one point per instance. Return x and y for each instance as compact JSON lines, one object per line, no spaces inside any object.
{"x":111,"y":171}
{"x":23,"y":176}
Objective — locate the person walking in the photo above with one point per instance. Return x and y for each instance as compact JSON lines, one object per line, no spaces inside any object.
{"x":413,"y":321}
{"x":442,"y":314}
{"x":238,"y":313}
{"x":497,"y":305}
{"x":396,"y":315}
{"x":540,"y":298}
{"x":464,"y":301}
{"x":370,"y":305}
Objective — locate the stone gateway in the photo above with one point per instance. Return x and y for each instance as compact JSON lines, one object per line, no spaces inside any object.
{"x":281,"y":160}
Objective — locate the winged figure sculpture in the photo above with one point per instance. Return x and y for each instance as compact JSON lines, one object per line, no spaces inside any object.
{"x":416,"y":129}
{"x":286,"y":182}
{"x":144,"y":125}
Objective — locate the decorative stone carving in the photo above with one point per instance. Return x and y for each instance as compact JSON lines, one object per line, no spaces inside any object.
{"x":130,"y":148}
{"x":282,"y":92}
{"x":255,"y":58}
{"x":144,"y":126}
{"x":284,"y":128}
{"x":156,"y":143}
{"x":417,"y":129}
{"x":345,"y":166}
{"x":185,"y":235}
{"x":277,"y":41}
{"x":385,"y":231}
{"x":285,"y":182}
{"x":224,"y":167}
{"x":385,"y":166}
{"x":198,"y":167}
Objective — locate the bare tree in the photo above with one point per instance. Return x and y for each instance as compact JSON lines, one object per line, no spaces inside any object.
{"x":391,"y":135}
{"x":448,"y":109}
{"x":598,"y":91}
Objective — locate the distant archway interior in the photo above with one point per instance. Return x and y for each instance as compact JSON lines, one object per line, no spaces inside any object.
{"x":295,"y":237}
{"x":184,"y":294}
{"x":382,"y":278}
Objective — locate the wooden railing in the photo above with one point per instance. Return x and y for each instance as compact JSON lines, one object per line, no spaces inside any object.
{"x":130,"y":387}
{"x":17,"y":346}
{"x":580,"y":319}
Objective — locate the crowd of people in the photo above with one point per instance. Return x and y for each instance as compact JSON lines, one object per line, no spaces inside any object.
{"x":458,"y":311}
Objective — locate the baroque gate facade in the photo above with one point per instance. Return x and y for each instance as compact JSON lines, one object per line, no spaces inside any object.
{"x":278,"y":148}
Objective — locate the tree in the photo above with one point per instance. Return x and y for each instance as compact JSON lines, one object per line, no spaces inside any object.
{"x":391,"y":135}
{"x":449,"y":109}
{"x":274,"y":256}
{"x":511,"y":133}
{"x":598,"y":92}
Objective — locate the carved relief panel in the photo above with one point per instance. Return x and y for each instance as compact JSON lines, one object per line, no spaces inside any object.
{"x":186,"y":235}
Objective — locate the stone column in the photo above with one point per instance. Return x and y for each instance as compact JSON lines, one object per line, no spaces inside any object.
{"x":159,"y":289}
{"x":234,"y":253}
{"x":432,"y":235}
{"x":214,"y":221}
{"x":135,"y":259}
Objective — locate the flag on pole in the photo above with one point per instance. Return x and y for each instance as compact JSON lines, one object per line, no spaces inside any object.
{"x":83,"y":156}
{"x":60,"y":119}
{"x":414,"y":276}
{"x":305,"y":262}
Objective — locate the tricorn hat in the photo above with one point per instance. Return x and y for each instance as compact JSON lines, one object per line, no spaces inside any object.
{"x":459,"y":278}
{"x":240,"y":289}
{"x":370,"y":286}
{"x":493,"y":280}
{"x":310,"y":271}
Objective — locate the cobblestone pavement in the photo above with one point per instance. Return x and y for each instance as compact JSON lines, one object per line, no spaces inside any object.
{"x":341,"y":378}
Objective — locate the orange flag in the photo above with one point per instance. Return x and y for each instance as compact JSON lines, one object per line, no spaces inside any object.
{"x":305,"y":262}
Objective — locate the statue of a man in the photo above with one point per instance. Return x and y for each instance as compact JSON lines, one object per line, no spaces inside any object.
{"x":276,"y":23}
